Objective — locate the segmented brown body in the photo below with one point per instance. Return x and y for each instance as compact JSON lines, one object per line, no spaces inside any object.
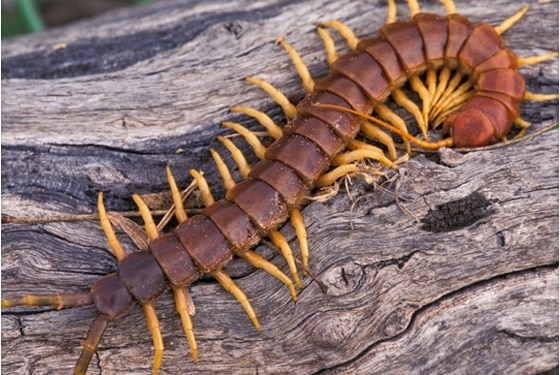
{"x":359,"y":80}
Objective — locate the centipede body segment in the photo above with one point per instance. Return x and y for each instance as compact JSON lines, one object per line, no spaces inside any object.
{"x":467,"y":81}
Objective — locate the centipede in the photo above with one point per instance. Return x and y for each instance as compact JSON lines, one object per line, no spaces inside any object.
{"x":452,"y":76}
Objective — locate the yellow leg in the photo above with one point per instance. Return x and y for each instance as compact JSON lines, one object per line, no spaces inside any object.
{"x":328,"y":42}
{"x":360,"y":151}
{"x":388,"y":115}
{"x":153,"y":325}
{"x":227,"y":283}
{"x":280,"y":241}
{"x":335,"y":174}
{"x":442,"y":116}
{"x":257,"y":261}
{"x":422,"y":91}
{"x":223,"y":170}
{"x":281,"y":99}
{"x":533,"y":60}
{"x":452,"y":98}
{"x":524,"y":125}
{"x":249,"y":136}
{"x":443,"y":81}
{"x":509,"y":22}
{"x":182,"y":306}
{"x":414,"y":7}
{"x":521,"y":123}
{"x":391,"y":12}
{"x":345,"y":31}
{"x":449,"y":6}
{"x":202,"y":184}
{"x":274,"y":130}
{"x":445,"y":89}
{"x":183,"y":299}
{"x":180,"y":212}
{"x":402,"y":100}
{"x":431,"y":79}
{"x":539,"y":97}
{"x":237,"y":155}
{"x":301,"y":68}
{"x":250,"y":256}
{"x":151,"y":229}
{"x":114,"y":243}
{"x":373,"y":132}
{"x":297,"y":222}
{"x":446,"y":142}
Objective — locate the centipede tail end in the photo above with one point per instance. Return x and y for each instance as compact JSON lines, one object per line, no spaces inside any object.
{"x":90,"y":344}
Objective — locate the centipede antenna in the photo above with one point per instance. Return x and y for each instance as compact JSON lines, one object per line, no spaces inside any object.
{"x":228,"y":284}
{"x":114,"y":243}
{"x":301,"y":68}
{"x":289,"y":109}
{"x":249,"y":136}
{"x":388,"y":115}
{"x":447,"y":142}
{"x":510,"y":21}
{"x":382,"y":137}
{"x":90,"y":344}
{"x":180,"y":212}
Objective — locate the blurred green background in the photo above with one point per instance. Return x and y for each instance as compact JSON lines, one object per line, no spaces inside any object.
{"x":31,"y":16}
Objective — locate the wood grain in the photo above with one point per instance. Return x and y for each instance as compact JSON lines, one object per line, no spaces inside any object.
{"x":110,"y":110}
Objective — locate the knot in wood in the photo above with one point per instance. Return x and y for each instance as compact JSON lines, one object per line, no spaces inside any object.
{"x":396,"y":322}
{"x":333,"y":330}
{"x":343,"y":278}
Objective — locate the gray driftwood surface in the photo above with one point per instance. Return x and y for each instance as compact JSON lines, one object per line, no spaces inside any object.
{"x":425,"y":286}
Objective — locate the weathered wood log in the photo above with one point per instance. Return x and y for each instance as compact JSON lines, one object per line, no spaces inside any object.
{"x":451,"y":266}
